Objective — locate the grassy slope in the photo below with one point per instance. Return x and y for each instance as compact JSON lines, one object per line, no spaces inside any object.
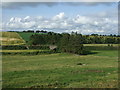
{"x":61,"y":70}
{"x":11,"y":38}
{"x":26,"y":36}
{"x":10,"y":35}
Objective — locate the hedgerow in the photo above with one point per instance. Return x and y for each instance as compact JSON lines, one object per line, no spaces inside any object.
{"x":24,"y":47}
{"x":29,"y":53}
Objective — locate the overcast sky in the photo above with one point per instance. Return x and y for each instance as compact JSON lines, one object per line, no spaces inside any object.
{"x":85,"y":18}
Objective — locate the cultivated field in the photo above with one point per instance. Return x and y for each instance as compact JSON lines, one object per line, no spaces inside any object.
{"x":11,"y":38}
{"x":61,"y":70}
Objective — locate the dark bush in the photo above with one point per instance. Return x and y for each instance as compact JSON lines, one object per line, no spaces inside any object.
{"x":79,"y":64}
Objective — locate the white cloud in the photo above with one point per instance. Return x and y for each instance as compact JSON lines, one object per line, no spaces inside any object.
{"x":95,"y":23}
{"x":40,"y":17}
{"x":62,"y":23}
{"x":29,"y":24}
{"x":60,"y":16}
{"x":17,"y":23}
{"x":81,"y":19}
{"x":27,"y":18}
{"x":16,"y":19}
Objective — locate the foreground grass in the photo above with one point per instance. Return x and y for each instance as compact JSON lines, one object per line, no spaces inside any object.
{"x":61,"y":70}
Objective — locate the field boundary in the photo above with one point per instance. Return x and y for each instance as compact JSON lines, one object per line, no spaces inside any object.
{"x":21,"y":37}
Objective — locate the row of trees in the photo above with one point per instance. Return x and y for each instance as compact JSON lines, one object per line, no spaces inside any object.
{"x":72,"y":43}
{"x":55,"y":38}
{"x":65,"y":42}
{"x":44,"y":31}
{"x":45,"y":39}
{"x":100,"y":39}
{"x":37,"y":31}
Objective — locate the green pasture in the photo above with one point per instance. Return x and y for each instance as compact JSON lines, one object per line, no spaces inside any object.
{"x":26,"y":35}
{"x":61,"y":70}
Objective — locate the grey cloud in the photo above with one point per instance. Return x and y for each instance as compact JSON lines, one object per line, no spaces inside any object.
{"x":90,"y":3}
{"x":20,"y":5}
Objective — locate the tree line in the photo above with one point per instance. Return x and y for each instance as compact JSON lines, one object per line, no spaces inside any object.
{"x":52,"y":38}
{"x":72,"y":43}
{"x":65,"y":42}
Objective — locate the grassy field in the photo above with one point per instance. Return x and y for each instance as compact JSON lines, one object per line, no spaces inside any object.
{"x":26,"y":36}
{"x":61,"y":70}
{"x":11,"y":38}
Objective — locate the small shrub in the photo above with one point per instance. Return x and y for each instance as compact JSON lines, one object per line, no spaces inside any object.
{"x":79,"y":64}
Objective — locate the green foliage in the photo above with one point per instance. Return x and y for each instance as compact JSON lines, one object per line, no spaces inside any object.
{"x":14,"y":47}
{"x":24,"y":47}
{"x":99,"y":39}
{"x":34,"y":52}
{"x":37,"y":40}
{"x":45,"y":39}
{"x":42,"y":47}
{"x":71,"y":43}
{"x":65,"y":42}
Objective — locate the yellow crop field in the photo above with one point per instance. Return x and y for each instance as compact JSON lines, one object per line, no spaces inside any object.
{"x":11,"y":38}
